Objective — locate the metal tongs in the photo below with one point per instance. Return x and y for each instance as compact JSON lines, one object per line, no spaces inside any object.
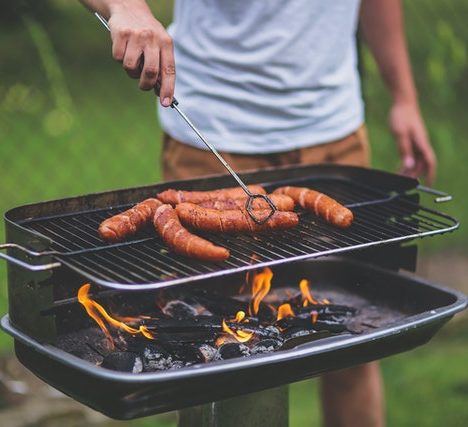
{"x":251,"y":196}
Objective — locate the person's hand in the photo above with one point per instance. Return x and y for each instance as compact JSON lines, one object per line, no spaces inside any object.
{"x":144,"y":48}
{"x":416,"y":154}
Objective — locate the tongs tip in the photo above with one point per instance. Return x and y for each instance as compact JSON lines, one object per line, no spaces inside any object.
{"x":250,"y":210}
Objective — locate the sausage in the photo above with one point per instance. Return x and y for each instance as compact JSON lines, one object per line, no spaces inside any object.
{"x":181,"y":241}
{"x":126,"y":224}
{"x":233,"y":220}
{"x":173,"y":197}
{"x":321,"y":204}
{"x":281,"y":201}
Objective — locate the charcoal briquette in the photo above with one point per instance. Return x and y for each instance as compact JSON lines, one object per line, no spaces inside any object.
{"x":265,"y":346}
{"x":232,"y":350}
{"x":156,"y":358}
{"x":123,"y":361}
{"x":179,"y":310}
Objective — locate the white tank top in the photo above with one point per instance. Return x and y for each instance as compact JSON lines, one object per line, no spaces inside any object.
{"x":265,"y":76}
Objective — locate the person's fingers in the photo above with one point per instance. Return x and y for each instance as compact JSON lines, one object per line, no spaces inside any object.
{"x":167,"y":72}
{"x":150,"y":71}
{"x":131,"y":60}
{"x":119,"y":43}
{"x":406,"y":152}
{"x":426,"y":156}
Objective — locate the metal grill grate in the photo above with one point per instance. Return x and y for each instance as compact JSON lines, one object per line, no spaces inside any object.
{"x":145,"y":262}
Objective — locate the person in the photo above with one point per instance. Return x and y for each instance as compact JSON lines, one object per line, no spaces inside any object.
{"x":272,"y":83}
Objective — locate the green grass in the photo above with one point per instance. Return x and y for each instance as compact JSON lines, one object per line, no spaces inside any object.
{"x":107,"y":136}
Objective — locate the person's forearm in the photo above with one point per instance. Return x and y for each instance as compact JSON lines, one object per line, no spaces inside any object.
{"x":106,"y":7}
{"x":383,"y":29}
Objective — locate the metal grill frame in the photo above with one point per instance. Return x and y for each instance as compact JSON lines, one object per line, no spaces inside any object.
{"x":126,"y":396}
{"x":389,"y":195}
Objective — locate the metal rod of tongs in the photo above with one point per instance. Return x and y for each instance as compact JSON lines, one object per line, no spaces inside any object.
{"x":251,"y":196}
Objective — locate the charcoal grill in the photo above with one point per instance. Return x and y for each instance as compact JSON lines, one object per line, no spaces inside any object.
{"x":54,"y":248}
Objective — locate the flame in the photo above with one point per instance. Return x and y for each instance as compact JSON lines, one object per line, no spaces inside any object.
{"x":307,"y":298}
{"x":240,"y":316}
{"x":239,"y":335}
{"x":284,"y":310}
{"x":261,"y":284}
{"x":99,"y":314}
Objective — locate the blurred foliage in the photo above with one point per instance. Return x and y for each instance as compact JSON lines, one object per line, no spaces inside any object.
{"x":72,"y":122}
{"x":12,"y":11}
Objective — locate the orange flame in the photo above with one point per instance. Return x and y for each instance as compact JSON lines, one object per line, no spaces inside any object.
{"x":261,"y":284}
{"x":307,"y":298}
{"x":99,"y":314}
{"x":284,"y":310}
{"x":239,"y":335}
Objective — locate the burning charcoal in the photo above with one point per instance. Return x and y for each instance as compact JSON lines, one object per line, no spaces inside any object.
{"x":305,"y":323}
{"x":155,"y":358}
{"x":208,"y":352}
{"x":266,"y":313}
{"x":232,"y":350}
{"x":327,"y":309}
{"x":329,"y":325}
{"x":177,"y":364}
{"x":191,"y":353}
{"x":265,"y":346}
{"x":203,"y":329}
{"x":295,"y":332}
{"x":179,"y":310}
{"x":218,"y":304}
{"x":123,"y":361}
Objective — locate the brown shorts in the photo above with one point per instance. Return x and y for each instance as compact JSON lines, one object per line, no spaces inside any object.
{"x":182,"y":161}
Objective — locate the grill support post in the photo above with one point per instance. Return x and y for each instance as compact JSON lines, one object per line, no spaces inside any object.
{"x":264,"y":408}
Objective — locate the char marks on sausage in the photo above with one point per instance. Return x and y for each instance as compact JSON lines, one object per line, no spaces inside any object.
{"x":181,"y":241}
{"x":126,"y":224}
{"x":281,"y":201}
{"x":233,"y":220}
{"x":174,"y":197}
{"x":321,"y":204}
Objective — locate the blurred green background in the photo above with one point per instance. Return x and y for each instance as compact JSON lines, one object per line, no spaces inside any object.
{"x":72,"y":122}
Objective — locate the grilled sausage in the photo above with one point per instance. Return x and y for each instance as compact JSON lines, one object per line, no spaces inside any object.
{"x":173,"y":197}
{"x":281,"y":201}
{"x":321,"y":204}
{"x":181,"y":241}
{"x":233,"y":221}
{"x":126,"y":224}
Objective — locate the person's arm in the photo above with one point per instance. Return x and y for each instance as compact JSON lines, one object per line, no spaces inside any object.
{"x":383,"y":29}
{"x":135,"y":33}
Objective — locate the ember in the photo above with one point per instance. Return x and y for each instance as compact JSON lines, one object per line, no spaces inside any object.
{"x":200,"y":326}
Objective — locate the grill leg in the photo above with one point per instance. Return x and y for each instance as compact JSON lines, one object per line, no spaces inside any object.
{"x":265,"y":408}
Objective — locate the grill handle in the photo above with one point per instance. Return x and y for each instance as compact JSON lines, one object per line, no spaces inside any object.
{"x":26,"y":265}
{"x":441,"y":196}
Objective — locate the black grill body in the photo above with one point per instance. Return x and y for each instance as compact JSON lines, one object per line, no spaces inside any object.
{"x":423,"y":308}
